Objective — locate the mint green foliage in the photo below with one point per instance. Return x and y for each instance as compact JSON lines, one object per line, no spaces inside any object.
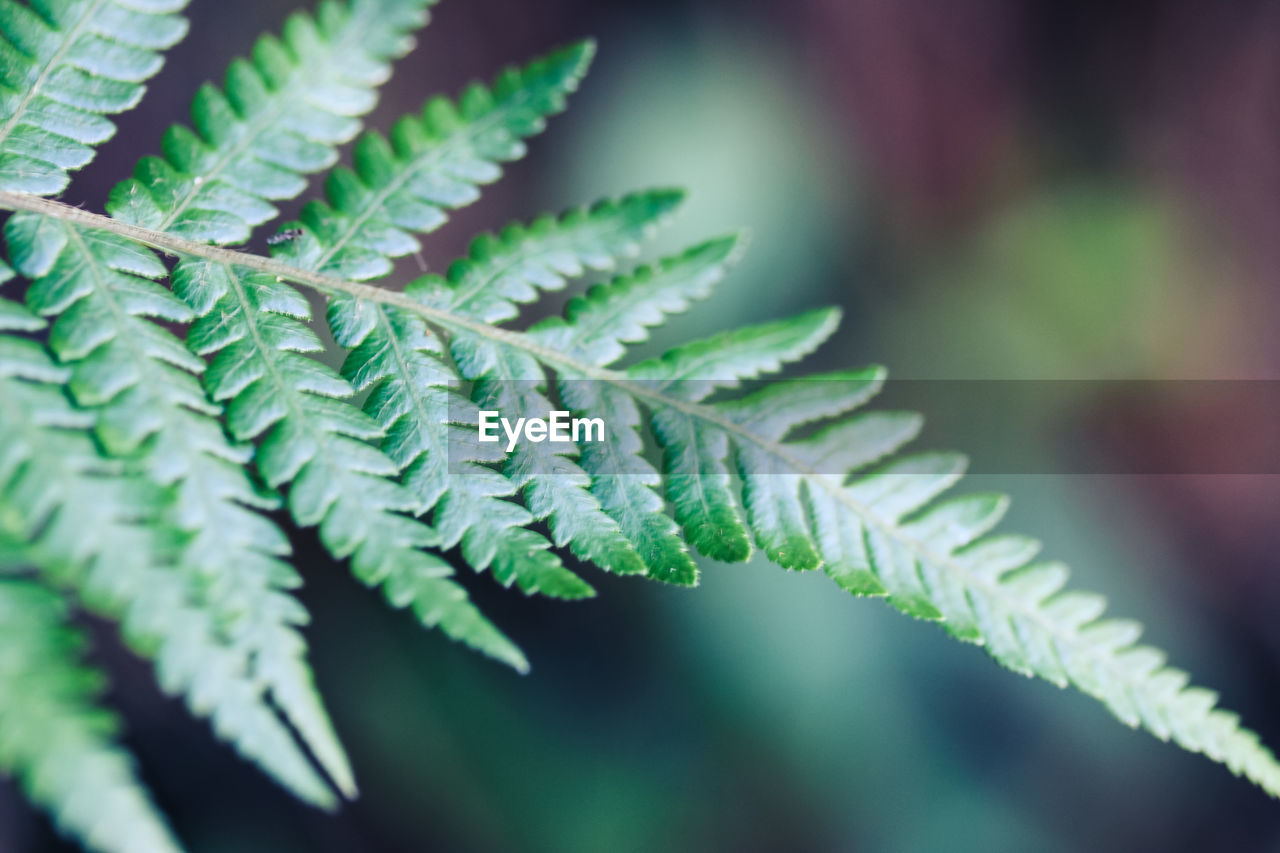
{"x":395,"y":355}
{"x":822,"y":501}
{"x":138,"y":462}
{"x":397,"y":358}
{"x":143,"y":380}
{"x":432,"y":164}
{"x":699,"y":482}
{"x":315,"y":442}
{"x":177,"y":602}
{"x":55,"y":739}
{"x":88,"y":525}
{"x":65,"y":65}
{"x":499,"y":271}
{"x":735,"y":477}
{"x":295,"y":100}
{"x":818,"y":499}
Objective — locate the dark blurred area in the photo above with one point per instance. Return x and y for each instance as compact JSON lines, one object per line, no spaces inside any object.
{"x":992,"y":189}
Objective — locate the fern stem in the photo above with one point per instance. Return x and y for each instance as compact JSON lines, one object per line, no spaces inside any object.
{"x":1266,"y":773}
{"x":179,"y":246}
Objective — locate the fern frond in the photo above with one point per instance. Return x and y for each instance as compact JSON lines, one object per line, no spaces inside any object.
{"x":65,"y":65}
{"x":813,"y":502}
{"x":554,"y":487}
{"x":392,"y":554}
{"x":412,"y":399}
{"x":796,"y":468}
{"x":183,"y":607}
{"x":879,"y":531}
{"x":279,"y":117}
{"x":55,"y":739}
{"x":438,"y":161}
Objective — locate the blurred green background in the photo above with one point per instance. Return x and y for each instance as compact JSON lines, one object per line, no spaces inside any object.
{"x":993,"y":189}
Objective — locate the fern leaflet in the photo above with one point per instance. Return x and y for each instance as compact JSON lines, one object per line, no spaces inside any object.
{"x":278,"y":118}
{"x":64,"y":66}
{"x":56,"y":740}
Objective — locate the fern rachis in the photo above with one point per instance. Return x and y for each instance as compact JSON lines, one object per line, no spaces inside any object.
{"x":186,"y":433}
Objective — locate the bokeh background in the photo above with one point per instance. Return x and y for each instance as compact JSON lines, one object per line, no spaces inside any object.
{"x":993,"y":189}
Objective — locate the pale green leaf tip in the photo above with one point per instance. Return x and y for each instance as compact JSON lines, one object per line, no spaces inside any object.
{"x":582,"y":54}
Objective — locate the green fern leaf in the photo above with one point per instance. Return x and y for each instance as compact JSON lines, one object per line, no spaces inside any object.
{"x":553,"y":486}
{"x":64,"y":66}
{"x":392,"y":352}
{"x":885,"y":533}
{"x":438,"y":156}
{"x":392,"y":556}
{"x":147,"y":405}
{"x":56,"y":741}
{"x":796,"y":467}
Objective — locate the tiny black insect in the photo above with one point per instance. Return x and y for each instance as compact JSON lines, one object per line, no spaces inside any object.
{"x":284,"y":236}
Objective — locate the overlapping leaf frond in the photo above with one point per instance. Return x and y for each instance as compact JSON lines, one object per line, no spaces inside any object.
{"x":65,"y":65}
{"x":78,"y":507}
{"x":433,"y":165}
{"x":141,"y":381}
{"x":56,"y":740}
{"x":312,"y":440}
{"x":415,"y":403}
{"x":86,"y":524}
